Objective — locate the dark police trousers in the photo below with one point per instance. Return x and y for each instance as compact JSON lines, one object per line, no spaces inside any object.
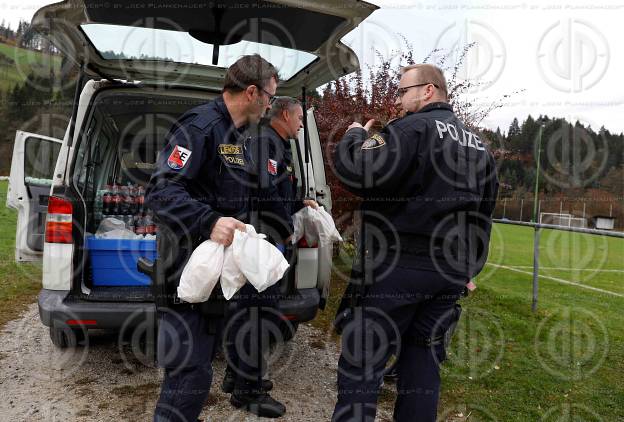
{"x":243,"y":352}
{"x":186,"y":348}
{"x":399,"y":310}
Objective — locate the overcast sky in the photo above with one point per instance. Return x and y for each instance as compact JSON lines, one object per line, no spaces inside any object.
{"x":563,"y":54}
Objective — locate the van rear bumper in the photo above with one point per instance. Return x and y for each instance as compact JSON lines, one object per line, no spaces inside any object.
{"x":56,"y":307}
{"x":301,"y":306}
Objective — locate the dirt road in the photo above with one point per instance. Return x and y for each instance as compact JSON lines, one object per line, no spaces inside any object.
{"x":104,"y":382}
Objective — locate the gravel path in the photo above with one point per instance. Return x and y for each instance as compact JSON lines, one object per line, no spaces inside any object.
{"x":104,"y":382}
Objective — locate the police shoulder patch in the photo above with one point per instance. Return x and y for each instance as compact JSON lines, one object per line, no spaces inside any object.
{"x":272,"y":167}
{"x":178,"y":158}
{"x":375,"y":141}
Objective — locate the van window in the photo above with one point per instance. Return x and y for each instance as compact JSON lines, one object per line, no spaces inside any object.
{"x":39,"y":160}
{"x":118,"y":42}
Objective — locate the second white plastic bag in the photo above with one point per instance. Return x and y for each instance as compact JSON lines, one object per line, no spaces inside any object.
{"x":261,"y":263}
{"x":316,"y":225}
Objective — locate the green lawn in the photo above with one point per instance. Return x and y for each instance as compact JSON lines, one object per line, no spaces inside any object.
{"x":566,"y":362}
{"x":19,"y":283}
{"x":16,"y":63}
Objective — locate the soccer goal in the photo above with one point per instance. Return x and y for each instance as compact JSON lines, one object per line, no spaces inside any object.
{"x":562,"y":219}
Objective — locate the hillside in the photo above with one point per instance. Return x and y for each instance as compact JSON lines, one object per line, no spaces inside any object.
{"x":16,"y":63}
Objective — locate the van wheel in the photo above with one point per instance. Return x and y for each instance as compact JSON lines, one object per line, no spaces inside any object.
{"x":64,"y":337}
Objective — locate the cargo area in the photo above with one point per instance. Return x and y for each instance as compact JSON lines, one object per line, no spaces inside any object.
{"x":124,"y":134}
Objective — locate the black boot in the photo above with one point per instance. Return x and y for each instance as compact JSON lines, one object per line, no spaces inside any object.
{"x":229,"y":380}
{"x":258,"y":403}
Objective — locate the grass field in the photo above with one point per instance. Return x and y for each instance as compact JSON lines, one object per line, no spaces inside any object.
{"x":19,"y":283}
{"x":564,"y":363}
{"x":16,"y":63}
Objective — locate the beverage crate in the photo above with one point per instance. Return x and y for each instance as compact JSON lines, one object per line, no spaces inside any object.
{"x":114,"y":261}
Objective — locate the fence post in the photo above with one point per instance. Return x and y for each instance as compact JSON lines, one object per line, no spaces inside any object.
{"x":536,"y":239}
{"x":521,"y":206}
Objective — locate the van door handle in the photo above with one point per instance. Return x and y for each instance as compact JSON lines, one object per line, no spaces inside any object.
{"x":145,"y":266}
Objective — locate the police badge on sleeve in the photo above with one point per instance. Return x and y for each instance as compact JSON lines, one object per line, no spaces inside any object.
{"x":178,"y":158}
{"x":373,"y":142}
{"x":272,"y":167}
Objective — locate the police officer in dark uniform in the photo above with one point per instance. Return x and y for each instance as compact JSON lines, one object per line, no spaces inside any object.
{"x":200,"y":190}
{"x":284,"y":121}
{"x":276,"y":178}
{"x":429,"y":187}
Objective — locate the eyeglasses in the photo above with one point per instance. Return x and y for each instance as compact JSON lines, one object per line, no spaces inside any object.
{"x":402,"y":91}
{"x":271,"y":96}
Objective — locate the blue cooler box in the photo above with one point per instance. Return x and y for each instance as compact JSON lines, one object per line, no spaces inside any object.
{"x":114,"y":261}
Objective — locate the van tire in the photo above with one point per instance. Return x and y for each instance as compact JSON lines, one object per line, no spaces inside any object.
{"x":64,"y":337}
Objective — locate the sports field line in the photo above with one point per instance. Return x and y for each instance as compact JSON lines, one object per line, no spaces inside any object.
{"x":571,"y":269}
{"x":558,"y":280}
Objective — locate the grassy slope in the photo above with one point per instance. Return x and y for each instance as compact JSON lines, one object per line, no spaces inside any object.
{"x":19,"y":283}
{"x":16,"y":63}
{"x":512,"y":365}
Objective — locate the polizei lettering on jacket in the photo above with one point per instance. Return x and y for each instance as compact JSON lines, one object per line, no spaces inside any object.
{"x":462,"y":136}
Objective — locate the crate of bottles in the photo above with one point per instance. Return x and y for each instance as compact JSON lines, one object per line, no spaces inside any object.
{"x":114,"y":261}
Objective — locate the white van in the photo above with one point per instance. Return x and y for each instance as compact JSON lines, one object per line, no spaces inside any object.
{"x":144,"y":66}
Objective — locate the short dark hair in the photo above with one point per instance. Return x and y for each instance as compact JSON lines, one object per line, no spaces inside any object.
{"x":280,"y":104}
{"x":249,"y":70}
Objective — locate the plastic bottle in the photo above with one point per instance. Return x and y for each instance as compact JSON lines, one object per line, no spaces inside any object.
{"x":123,"y":201}
{"x":150,"y":225}
{"x":139,"y":225}
{"x":116,"y":202}
{"x":129,"y":200}
{"x":139,"y":200}
{"x":107,"y":201}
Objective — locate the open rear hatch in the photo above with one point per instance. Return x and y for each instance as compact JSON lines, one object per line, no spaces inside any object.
{"x":193,"y":43}
{"x":190,"y":45}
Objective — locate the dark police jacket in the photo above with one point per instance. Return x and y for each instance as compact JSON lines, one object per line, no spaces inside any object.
{"x":429,"y":187}
{"x":276,"y":152}
{"x":272,"y":160}
{"x":205,"y":172}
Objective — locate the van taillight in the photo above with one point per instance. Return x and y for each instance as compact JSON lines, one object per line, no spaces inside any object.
{"x":302,"y":243}
{"x":58,"y":221}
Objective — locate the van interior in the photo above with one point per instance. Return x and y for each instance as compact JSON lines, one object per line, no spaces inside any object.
{"x":124,"y":133}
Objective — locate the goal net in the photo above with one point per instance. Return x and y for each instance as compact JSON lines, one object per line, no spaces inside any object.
{"x":562,"y":219}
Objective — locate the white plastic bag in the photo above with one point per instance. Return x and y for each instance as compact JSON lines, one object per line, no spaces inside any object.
{"x":316,"y":225}
{"x":114,"y":228}
{"x":232,"y":279}
{"x":261,"y":263}
{"x":201,"y":273}
{"x":327,"y":231}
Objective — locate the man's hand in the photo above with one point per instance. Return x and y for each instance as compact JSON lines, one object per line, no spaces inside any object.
{"x":311,"y":203}
{"x":223,"y":230}
{"x":366,"y":127}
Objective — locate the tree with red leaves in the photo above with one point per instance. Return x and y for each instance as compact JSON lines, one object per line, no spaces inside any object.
{"x":351,"y":98}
